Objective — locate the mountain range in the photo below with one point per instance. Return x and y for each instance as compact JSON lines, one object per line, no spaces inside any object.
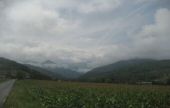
{"x":48,"y":70}
{"x":12,"y":69}
{"x":131,"y":71}
{"x":126,"y":71}
{"x":64,"y":73}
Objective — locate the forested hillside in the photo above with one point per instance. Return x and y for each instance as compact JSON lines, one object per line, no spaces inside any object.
{"x":12,"y":69}
{"x":131,"y":71}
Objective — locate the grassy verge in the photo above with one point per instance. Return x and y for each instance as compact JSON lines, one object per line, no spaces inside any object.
{"x":20,"y":96}
{"x":2,"y":81}
{"x":51,"y":94}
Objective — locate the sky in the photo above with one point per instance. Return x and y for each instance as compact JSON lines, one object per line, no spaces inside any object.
{"x":84,"y":34}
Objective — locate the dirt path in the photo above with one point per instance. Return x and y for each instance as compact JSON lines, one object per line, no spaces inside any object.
{"x":5,"y":89}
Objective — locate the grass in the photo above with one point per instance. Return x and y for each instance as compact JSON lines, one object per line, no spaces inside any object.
{"x":52,"y":94}
{"x":2,"y":81}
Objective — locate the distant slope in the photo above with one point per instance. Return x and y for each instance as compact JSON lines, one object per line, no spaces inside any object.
{"x":135,"y":70}
{"x":12,"y":69}
{"x":46,"y":72}
{"x":66,"y":73}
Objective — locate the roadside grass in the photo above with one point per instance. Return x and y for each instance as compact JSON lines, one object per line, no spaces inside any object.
{"x":53,"y":94}
{"x":20,"y":97}
{"x":2,"y":81}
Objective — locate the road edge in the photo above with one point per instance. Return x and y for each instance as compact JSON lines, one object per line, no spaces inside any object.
{"x":5,"y":98}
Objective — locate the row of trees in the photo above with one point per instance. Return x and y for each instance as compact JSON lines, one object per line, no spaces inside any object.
{"x":18,"y":75}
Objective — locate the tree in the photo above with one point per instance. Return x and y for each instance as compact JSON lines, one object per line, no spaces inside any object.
{"x":8,"y":75}
{"x":20,"y":75}
{"x":168,"y":81}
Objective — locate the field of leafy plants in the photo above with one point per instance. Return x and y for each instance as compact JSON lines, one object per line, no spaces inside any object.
{"x":51,"y":94}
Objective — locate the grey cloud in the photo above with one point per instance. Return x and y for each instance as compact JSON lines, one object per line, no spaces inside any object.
{"x":153,"y":40}
{"x":82,"y":34}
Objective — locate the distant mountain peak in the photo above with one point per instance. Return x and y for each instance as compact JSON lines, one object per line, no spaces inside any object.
{"x":48,"y":62}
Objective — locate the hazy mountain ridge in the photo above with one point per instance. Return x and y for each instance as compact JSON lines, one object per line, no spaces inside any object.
{"x":127,"y":71}
{"x":134,"y":70}
{"x":50,"y":68}
{"x":46,"y":72}
{"x":12,"y":69}
{"x":66,"y":73}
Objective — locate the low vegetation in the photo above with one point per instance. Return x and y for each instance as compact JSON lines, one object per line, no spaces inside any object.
{"x":1,"y":81}
{"x":52,"y":94}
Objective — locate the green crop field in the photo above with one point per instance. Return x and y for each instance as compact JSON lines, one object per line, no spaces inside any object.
{"x":53,"y":94}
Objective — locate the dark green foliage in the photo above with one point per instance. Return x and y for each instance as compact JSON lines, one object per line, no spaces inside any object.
{"x":168,"y":81}
{"x":91,"y":98}
{"x":49,"y":94}
{"x":20,"y":75}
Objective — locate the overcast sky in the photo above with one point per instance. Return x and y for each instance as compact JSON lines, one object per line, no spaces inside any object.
{"x":83,"y":34}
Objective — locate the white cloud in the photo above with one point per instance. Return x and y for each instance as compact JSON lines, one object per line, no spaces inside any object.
{"x":153,"y":40}
{"x":32,"y":14}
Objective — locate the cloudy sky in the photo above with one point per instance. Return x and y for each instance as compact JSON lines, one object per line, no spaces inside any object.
{"x":83,"y":34}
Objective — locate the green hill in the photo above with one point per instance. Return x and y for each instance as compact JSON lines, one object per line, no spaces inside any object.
{"x":12,"y":69}
{"x":131,"y":71}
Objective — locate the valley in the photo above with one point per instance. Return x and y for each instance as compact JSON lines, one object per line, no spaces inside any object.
{"x":136,"y":83}
{"x":84,"y":54}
